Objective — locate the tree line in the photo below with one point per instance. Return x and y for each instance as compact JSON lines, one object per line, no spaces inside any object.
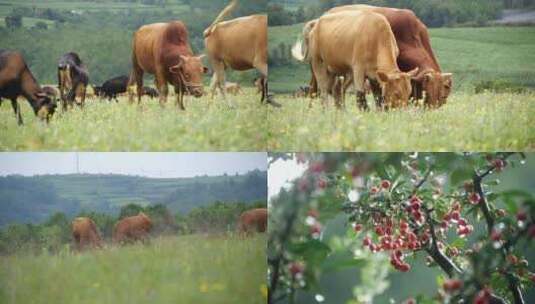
{"x":434,"y":13}
{"x":54,"y":234}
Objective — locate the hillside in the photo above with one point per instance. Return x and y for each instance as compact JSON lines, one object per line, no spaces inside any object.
{"x":471,"y":54}
{"x":33,"y":199}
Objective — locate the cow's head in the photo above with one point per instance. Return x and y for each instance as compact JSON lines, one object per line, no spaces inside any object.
{"x":189,"y":73}
{"x":396,"y":87}
{"x":44,"y":106}
{"x":145,"y":221}
{"x":436,"y":86}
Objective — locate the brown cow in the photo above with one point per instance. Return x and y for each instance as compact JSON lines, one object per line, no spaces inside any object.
{"x":240,"y":44}
{"x":85,"y":233}
{"x":360,"y":43}
{"x":254,"y":220}
{"x":16,"y":79}
{"x":73,"y":78}
{"x":415,"y":51}
{"x":132,"y":228}
{"x":163,"y":49}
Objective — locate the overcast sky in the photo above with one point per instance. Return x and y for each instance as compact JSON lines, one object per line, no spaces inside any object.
{"x":144,"y":164}
{"x":281,"y":173}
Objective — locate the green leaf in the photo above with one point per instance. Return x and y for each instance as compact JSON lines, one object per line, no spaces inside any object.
{"x":459,"y":243}
{"x":338,"y":261}
{"x":460,"y":175}
{"x":313,"y":251}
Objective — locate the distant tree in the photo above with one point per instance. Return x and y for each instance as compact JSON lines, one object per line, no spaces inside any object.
{"x":13,"y":21}
{"x":130,"y":210}
{"x":40,"y":25}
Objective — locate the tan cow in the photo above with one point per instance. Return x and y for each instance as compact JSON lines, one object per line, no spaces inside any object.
{"x":254,"y":220}
{"x":240,"y":44}
{"x":163,"y":49}
{"x":361,"y":44}
{"x":85,"y":233}
{"x":133,"y":228}
{"x":415,"y":51}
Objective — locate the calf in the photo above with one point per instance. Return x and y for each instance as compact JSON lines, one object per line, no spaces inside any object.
{"x":114,"y":86}
{"x":72,"y":78}
{"x":16,"y":80}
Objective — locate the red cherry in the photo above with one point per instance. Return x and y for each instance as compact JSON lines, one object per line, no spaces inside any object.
{"x":414,"y":199}
{"x":462,"y":222}
{"x":374,"y":190}
{"x":366,"y":241}
{"x":379,"y":230}
{"x":357,"y":227}
{"x":522,"y":216}
{"x":385,"y":184}
{"x":513,"y":259}
{"x":495,"y":235}
{"x":482,"y":297}
{"x":404,"y":267}
{"x":315,"y":229}
{"x":456,"y":215}
{"x":410,"y":301}
{"x":322,"y":184}
{"x":296,"y":268}
{"x":499,"y":164}
{"x":317,"y":167}
{"x":474,"y":198}
{"x":388,"y":230}
{"x":452,"y":285}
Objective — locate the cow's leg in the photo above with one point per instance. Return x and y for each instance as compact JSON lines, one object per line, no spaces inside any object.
{"x":359,"y":78}
{"x":83,"y":89}
{"x":325,"y":81}
{"x":16,"y":109}
{"x":213,"y":86}
{"x":162,"y":87}
{"x":179,"y":97}
{"x":377,"y":93}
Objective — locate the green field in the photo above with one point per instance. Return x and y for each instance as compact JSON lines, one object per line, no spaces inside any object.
{"x":187,"y":269}
{"x":485,"y":122}
{"x":471,"y":54}
{"x":469,"y":122}
{"x":206,"y":125}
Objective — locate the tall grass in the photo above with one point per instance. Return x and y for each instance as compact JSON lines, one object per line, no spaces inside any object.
{"x":485,"y":122}
{"x":206,"y":125}
{"x":187,"y":269}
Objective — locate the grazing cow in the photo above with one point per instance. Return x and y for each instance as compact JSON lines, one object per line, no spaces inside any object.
{"x":163,"y":49}
{"x":360,"y":43}
{"x":72,"y":78}
{"x":233,"y":88}
{"x":254,"y":220}
{"x":97,"y":90}
{"x":16,"y":79}
{"x":133,"y":228}
{"x":52,"y":92}
{"x":240,"y":44}
{"x":85,"y":233}
{"x":114,"y":86}
{"x":415,"y":51}
{"x":151,"y":92}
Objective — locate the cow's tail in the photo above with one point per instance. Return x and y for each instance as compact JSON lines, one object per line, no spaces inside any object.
{"x":300,"y":50}
{"x":224,"y":13}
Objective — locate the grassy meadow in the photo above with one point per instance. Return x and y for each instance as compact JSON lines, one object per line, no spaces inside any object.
{"x":205,"y":125}
{"x":188,"y":269}
{"x":491,"y":121}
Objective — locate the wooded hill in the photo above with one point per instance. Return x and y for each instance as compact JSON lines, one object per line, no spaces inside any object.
{"x":33,"y":199}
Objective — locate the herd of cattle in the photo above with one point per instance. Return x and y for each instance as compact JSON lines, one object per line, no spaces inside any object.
{"x":161,"y":49}
{"x":85,"y":233}
{"x":386,"y":49}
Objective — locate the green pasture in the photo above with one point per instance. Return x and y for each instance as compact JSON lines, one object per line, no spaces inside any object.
{"x":186,"y":269}
{"x":205,"y":125}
